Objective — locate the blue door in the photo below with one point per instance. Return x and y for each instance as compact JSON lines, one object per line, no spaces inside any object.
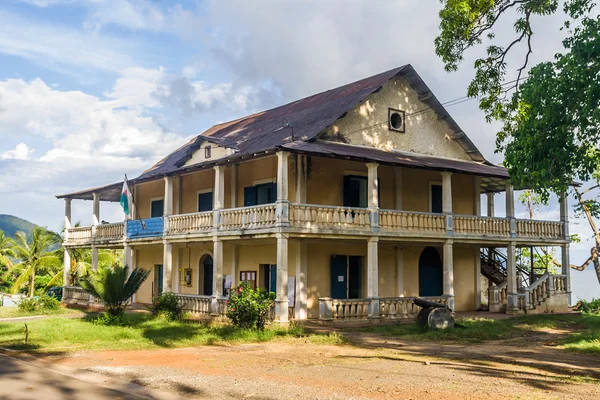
{"x":431,"y":274}
{"x":339,"y":277}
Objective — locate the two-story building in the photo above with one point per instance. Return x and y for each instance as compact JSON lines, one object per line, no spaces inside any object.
{"x":347,"y":204}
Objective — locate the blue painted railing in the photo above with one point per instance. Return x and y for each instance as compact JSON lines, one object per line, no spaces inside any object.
{"x":149,"y":227}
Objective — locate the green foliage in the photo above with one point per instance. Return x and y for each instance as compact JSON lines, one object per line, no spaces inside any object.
{"x":10,"y":225}
{"x":113,"y":286}
{"x":106,"y":319}
{"x":248,"y":308}
{"x":588,"y":307}
{"x":166,"y":305}
{"x":48,"y":302}
{"x":551,"y":121}
{"x":29,"y":305}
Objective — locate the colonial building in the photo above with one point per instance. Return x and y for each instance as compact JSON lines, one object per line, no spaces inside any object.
{"x":346,"y":203}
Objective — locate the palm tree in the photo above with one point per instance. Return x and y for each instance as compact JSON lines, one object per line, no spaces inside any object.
{"x":7,"y":253}
{"x":38,"y":254}
{"x":114,"y":286}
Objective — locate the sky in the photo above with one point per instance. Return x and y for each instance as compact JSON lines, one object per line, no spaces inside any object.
{"x":91,"y":90}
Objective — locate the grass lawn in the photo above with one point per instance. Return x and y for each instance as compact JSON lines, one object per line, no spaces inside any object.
{"x":12,"y":312}
{"x":582,"y":332}
{"x":142,"y":332}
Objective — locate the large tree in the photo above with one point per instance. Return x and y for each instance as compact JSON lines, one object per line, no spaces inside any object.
{"x":550,"y":112}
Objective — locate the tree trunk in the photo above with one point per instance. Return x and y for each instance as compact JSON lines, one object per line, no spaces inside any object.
{"x":32,"y":285}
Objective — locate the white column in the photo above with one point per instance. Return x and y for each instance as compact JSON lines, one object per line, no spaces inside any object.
{"x":301,"y":276}
{"x":235,"y":250}
{"x":282,"y":301}
{"x":490,"y":204}
{"x":95,"y":222}
{"x":301,"y":175}
{"x":234,"y":183}
{"x":282,"y":188}
{"x":177,"y":274}
{"x":94,"y":258}
{"x":399,"y":272}
{"x":127,"y":256}
{"x":511,"y":277}
{"x":167,"y":267}
{"x":398,"y":187}
{"x":219,"y":192}
{"x":373,"y":195}
{"x":67,"y":253}
{"x":168,"y":203}
{"x":373,"y":276}
{"x":448,"y":261}
{"x":510,"y":209}
{"x":447,"y":200}
{"x":133,"y":265}
{"x":217,"y":274}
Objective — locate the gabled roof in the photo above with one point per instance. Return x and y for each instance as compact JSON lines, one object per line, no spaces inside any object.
{"x":272,"y":129}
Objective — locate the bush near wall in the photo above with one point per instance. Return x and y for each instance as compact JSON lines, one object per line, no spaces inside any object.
{"x":248,"y":308}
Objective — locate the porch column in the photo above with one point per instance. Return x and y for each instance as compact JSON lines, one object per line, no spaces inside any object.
{"x":565,"y":256}
{"x":301,"y":175}
{"x":282,"y":189}
{"x":398,"y":187}
{"x":511,"y":278}
{"x":177,"y":269}
{"x":219,"y":195}
{"x":235,"y":250}
{"x":301,"y":308}
{"x":510,"y":209}
{"x":127,"y":256}
{"x":447,"y":200}
{"x":373,"y":195}
{"x":373,"y":276}
{"x":234,"y":182}
{"x":67,"y":253}
{"x":477,"y":212}
{"x":490,"y":203}
{"x":167,"y":267}
{"x":399,"y":272}
{"x":95,"y":223}
{"x":168,"y":202}
{"x":282,"y":302}
{"x":449,"y":272}
{"x":133,"y":265}
{"x":217,"y":275}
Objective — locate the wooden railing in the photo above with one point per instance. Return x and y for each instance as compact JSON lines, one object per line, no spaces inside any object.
{"x":189,"y":223}
{"x":403,"y":307}
{"x":195,"y":304}
{"x":543,"y":229}
{"x":110,"y":231}
{"x":80,"y":235}
{"x":248,"y":217}
{"x":329,"y":217}
{"x":468,"y":224}
{"x":412,"y":221}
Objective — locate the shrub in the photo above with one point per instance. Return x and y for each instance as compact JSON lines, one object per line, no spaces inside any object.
{"x":167,"y":306}
{"x":48,"y":302}
{"x":248,"y":308}
{"x":29,"y":305}
{"x":106,"y":319}
{"x":588,"y":307}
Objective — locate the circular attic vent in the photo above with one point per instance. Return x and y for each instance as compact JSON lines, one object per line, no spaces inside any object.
{"x":396,"y":120}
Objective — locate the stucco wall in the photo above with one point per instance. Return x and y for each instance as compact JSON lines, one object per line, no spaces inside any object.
{"x":367,"y":125}
{"x":216,"y":153}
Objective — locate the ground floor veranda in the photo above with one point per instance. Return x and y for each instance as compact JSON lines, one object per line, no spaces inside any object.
{"x":335,"y":278}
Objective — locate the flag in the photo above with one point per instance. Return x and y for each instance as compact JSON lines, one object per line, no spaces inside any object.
{"x":126,"y":199}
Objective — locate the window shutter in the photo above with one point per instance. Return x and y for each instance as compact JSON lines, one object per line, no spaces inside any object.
{"x":249,"y":196}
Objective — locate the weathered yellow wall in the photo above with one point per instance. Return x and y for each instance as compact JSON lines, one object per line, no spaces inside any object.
{"x":144,"y":193}
{"x":191,"y":184}
{"x":367,"y":124}
{"x":147,"y":257}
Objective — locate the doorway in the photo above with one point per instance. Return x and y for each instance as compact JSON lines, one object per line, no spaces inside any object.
{"x":431,"y":274}
{"x":346,"y":274}
{"x":157,"y":287}
{"x":207,"y":276}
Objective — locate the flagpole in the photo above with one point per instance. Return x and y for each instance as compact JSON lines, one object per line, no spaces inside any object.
{"x":137,"y":214}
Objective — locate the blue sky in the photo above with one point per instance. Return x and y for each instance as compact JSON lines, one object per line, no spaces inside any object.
{"x":93,"y":89}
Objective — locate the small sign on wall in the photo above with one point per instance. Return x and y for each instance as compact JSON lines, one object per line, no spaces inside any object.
{"x":340,"y":278}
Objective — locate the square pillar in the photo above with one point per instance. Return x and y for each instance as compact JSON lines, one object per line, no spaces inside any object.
{"x":373,"y":195}
{"x":398,"y":181}
{"x":167,"y":267}
{"x":282,"y":302}
{"x":67,"y":268}
{"x":282,"y":188}
{"x":301,"y":177}
{"x":127,"y":256}
{"x":217,"y":275}
{"x":234,"y":183}
{"x":566,"y":268}
{"x":399,"y":272}
{"x":448,"y":261}
{"x":511,"y":277}
{"x":177,"y":268}
{"x":490,"y":203}
{"x":447,"y":200}
{"x":94,"y":263}
{"x":235,"y":251}
{"x":564,"y":214}
{"x":373,"y":276}
{"x":510,"y":209}
{"x":219,"y":195}
{"x":96,"y":209}
{"x":301,"y":307}
{"x":133,"y":265}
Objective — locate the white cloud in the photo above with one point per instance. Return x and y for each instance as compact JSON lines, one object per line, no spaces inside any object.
{"x":47,"y":3}
{"x":21,"y":152}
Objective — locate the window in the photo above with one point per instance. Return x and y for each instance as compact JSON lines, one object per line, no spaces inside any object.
{"x":396,"y":121}
{"x":270,"y":276}
{"x":248,"y":277}
{"x":205,"y":201}
{"x":356,"y":192}
{"x":435,"y":198}
{"x":207,"y":152}
{"x":265,"y":193}
{"x":157,"y":208}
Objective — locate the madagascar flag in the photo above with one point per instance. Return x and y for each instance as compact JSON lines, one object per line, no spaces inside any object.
{"x":126,"y":199}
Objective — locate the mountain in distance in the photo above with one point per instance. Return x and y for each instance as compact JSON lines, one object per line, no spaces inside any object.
{"x":11,"y":225}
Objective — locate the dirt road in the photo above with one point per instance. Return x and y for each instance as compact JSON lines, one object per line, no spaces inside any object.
{"x":371,"y":367}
